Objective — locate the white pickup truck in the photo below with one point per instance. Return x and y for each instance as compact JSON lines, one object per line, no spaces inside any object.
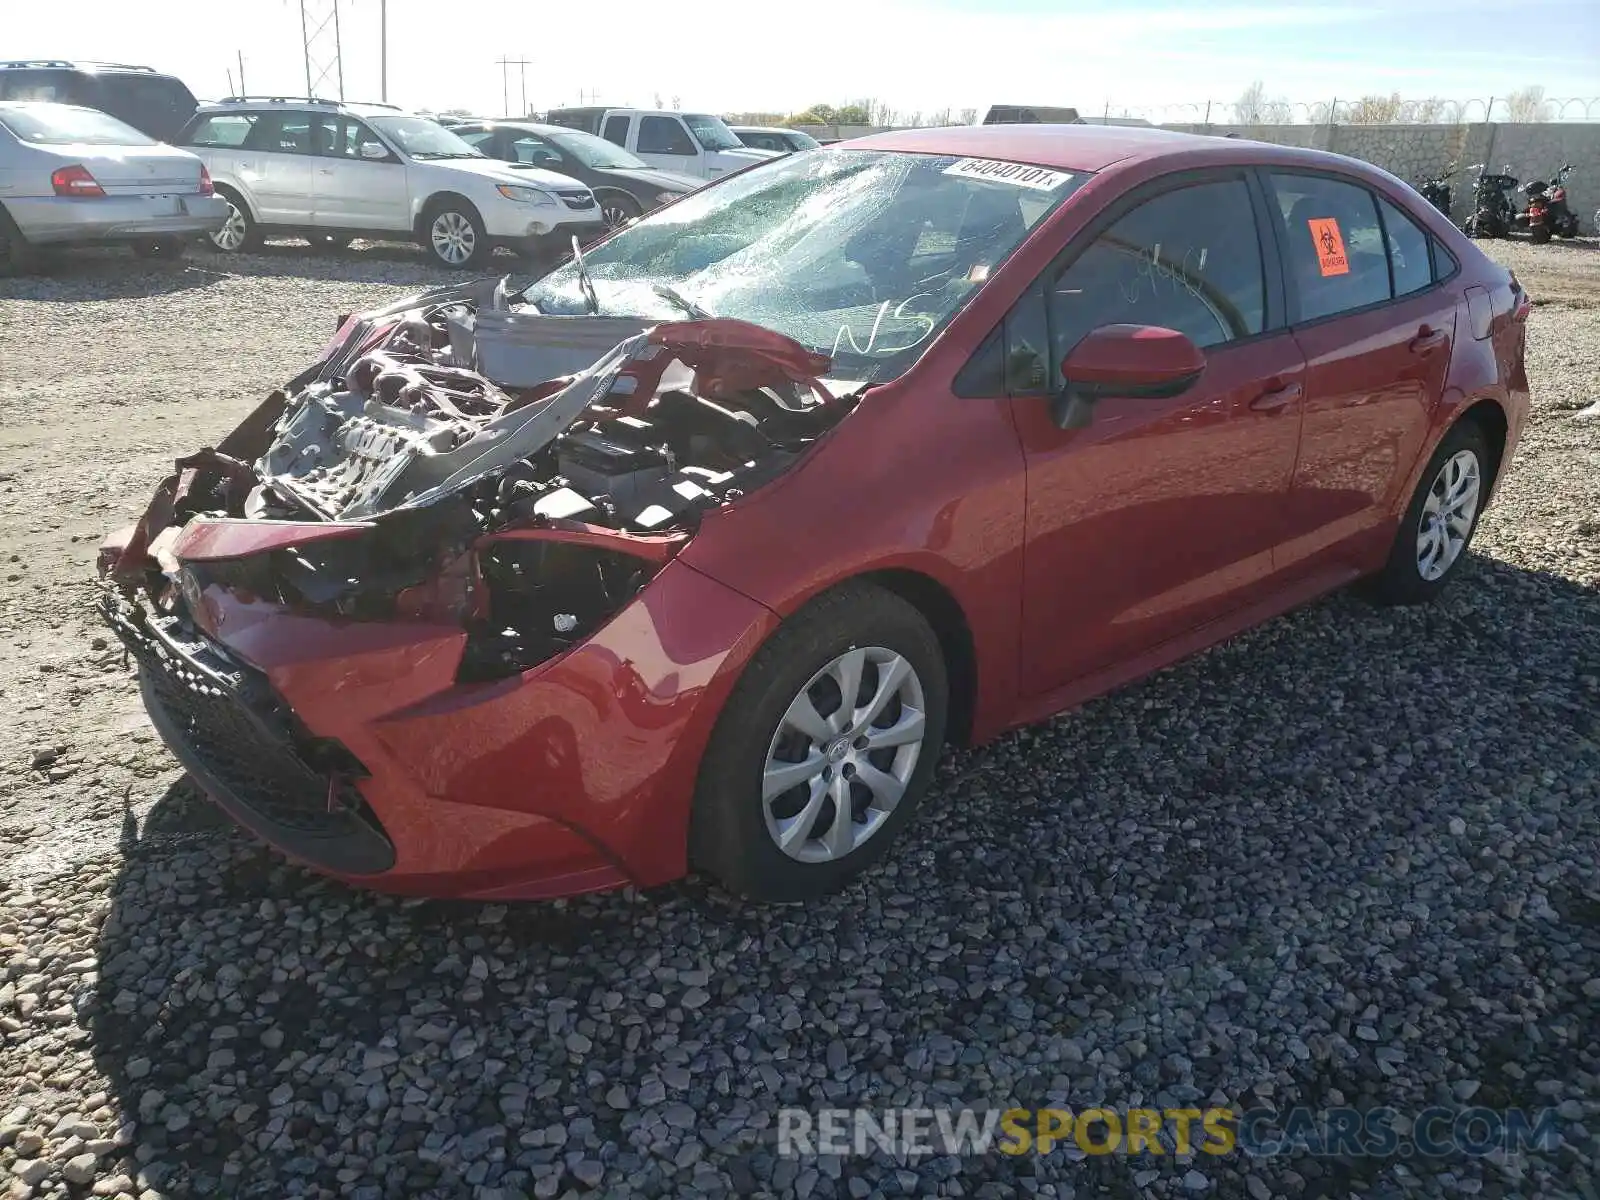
{"x":691,"y":143}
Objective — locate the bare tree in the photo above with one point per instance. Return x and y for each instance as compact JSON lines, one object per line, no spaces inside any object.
{"x":1376,"y":110}
{"x":939,"y":117}
{"x":879,"y":112}
{"x":1249,"y":108}
{"x":1428,"y":112}
{"x":969,"y":116}
{"x":1528,"y":104}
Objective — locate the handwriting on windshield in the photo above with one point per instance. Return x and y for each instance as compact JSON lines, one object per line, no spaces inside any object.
{"x":894,"y":340}
{"x":1159,"y":276}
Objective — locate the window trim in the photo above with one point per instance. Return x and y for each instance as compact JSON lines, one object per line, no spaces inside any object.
{"x":1379,"y":200}
{"x":1280,"y":232}
{"x":1274,"y":314}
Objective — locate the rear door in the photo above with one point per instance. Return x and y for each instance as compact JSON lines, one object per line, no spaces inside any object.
{"x":360,"y":182}
{"x":1377,"y":331}
{"x":276,"y":164}
{"x":664,"y":141}
{"x":218,"y":139}
{"x":1162,"y":515}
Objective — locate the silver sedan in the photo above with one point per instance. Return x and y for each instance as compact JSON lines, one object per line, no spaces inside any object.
{"x":71,"y":175}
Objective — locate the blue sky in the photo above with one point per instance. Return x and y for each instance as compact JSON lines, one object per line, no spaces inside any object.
{"x":927,"y":54}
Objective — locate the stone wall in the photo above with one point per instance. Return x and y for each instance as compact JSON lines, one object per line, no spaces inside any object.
{"x":1415,"y":152}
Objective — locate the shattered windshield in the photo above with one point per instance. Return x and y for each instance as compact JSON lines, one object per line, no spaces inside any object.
{"x":862,"y":255}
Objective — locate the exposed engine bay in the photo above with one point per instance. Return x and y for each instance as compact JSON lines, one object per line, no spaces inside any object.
{"x":460,"y":457}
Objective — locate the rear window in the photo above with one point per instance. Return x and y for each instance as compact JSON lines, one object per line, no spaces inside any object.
{"x":63,"y":87}
{"x":64,"y":125}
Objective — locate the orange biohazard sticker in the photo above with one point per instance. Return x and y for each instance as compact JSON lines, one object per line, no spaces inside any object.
{"x":1329,"y":243}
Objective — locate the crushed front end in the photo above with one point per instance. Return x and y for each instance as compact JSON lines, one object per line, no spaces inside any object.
{"x":417,"y":621}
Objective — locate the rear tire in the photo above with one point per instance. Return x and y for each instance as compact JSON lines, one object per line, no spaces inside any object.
{"x":17,"y":257}
{"x":870,"y":761}
{"x":1436,"y":531}
{"x":239,"y":234}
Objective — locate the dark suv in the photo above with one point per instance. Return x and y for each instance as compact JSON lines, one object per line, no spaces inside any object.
{"x":155,"y":104}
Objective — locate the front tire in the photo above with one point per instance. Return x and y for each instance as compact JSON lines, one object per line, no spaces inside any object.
{"x":824,"y":749}
{"x":1437,"y":528}
{"x":453,"y":234}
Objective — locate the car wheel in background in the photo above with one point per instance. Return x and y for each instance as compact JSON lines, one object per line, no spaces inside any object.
{"x":1432,"y":541}
{"x":453,"y":233}
{"x":824,"y":748}
{"x":160,"y":247}
{"x":239,"y":231}
{"x":617,"y":208}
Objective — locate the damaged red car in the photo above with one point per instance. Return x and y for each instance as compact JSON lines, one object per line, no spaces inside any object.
{"x":696,"y":551}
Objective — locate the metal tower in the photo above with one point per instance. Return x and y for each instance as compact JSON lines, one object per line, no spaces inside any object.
{"x":319,"y":28}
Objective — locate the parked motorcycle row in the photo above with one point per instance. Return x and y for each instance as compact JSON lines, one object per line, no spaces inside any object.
{"x":1496,"y":213}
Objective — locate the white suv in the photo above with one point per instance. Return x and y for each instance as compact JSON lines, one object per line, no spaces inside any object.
{"x":331,"y":172}
{"x":696,"y":144}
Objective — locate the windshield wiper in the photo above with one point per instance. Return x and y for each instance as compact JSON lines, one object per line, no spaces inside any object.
{"x":584,"y":282}
{"x":678,"y":300}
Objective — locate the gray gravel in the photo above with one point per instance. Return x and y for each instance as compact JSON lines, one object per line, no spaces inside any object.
{"x":1349,"y":858}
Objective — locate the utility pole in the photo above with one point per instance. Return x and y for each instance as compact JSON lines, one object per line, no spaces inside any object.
{"x":505,"y":83}
{"x":243,"y":91}
{"x":319,"y":30}
{"x":383,"y":50}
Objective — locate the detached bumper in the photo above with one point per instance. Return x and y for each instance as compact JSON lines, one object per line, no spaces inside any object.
{"x":51,"y":220}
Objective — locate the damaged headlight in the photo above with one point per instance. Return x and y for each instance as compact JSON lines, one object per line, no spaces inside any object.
{"x":526,"y":195}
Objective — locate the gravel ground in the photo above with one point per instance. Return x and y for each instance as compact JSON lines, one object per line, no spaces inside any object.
{"x":1348,"y":858}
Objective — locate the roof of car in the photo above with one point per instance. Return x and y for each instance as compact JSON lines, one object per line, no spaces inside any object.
{"x":762,"y":129}
{"x":275,"y":103}
{"x":1086,"y":147}
{"x":521,"y":123}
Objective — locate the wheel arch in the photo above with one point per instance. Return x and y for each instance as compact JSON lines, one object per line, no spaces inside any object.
{"x":433,"y":201}
{"x":230,"y":188}
{"x":1490,"y":417}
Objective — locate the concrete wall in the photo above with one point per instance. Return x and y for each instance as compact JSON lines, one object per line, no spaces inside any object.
{"x":1533,"y":151}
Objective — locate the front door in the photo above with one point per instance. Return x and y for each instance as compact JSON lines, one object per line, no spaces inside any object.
{"x":1377,"y":335}
{"x":360,"y":182}
{"x":275,"y":167}
{"x":664,"y":142}
{"x":1161,"y":515}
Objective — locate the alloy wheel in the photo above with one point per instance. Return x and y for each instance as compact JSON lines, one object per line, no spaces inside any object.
{"x":615,"y":213}
{"x":454,"y":239}
{"x":232,"y":234}
{"x":843,"y":754}
{"x":1448,"y":514}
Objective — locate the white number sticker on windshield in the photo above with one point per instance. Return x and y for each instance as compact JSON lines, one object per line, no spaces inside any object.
{"x":1039,"y":179}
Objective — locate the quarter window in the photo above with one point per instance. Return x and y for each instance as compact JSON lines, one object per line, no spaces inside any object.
{"x":225,"y":130}
{"x":1335,"y":247}
{"x":1408,"y":250}
{"x":663,"y":135}
{"x":1189,"y":260}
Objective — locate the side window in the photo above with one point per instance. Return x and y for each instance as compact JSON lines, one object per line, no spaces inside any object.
{"x":282,"y":133}
{"x":1408,"y":250}
{"x":663,"y":135}
{"x":225,"y":131}
{"x":617,"y":130}
{"x":535,"y":150}
{"x":1336,"y":260}
{"x":346,"y":137}
{"x":1188,"y":259}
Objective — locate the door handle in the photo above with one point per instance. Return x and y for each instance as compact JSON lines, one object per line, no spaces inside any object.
{"x":1428,"y":340}
{"x":1276,"y":400}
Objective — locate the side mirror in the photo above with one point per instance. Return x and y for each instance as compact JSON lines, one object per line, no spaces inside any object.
{"x":1138,"y":362}
{"x":373,"y":150}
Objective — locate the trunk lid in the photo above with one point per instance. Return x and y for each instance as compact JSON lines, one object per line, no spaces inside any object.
{"x":137,"y":170}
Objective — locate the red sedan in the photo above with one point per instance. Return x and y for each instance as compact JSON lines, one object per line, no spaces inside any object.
{"x":695,"y":552}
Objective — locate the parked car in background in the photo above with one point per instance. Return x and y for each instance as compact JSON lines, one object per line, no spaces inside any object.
{"x":331,"y":172}
{"x":783,"y":141}
{"x":153,"y":103}
{"x":625,"y":185}
{"x":77,"y":176}
{"x":989,"y":421}
{"x":693,"y":144}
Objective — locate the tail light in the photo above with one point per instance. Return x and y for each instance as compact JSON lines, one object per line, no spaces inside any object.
{"x":75,"y":181}
{"x":206,"y":188}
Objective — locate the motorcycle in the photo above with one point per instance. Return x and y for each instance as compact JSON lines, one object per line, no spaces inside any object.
{"x":1548,"y":211}
{"x":1436,"y":190}
{"x":1493,"y":213}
